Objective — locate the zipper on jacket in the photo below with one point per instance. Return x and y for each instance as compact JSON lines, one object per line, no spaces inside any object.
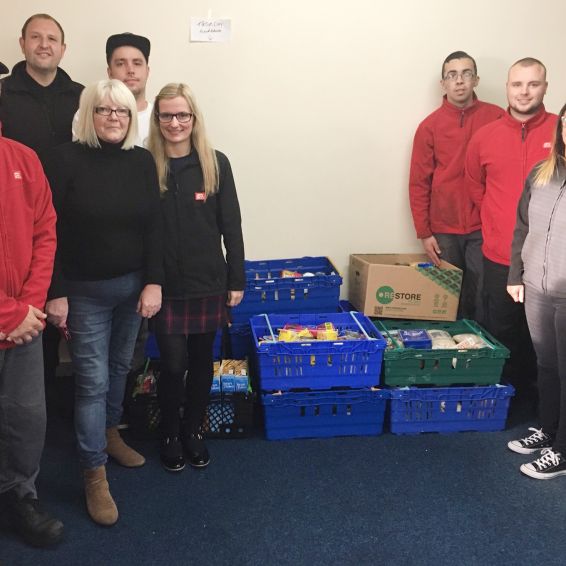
{"x":547,"y":242}
{"x":462,"y":119}
{"x":523,"y":131}
{"x":8,"y":265}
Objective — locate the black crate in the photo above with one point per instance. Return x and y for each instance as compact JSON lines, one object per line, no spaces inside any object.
{"x":227,"y":416}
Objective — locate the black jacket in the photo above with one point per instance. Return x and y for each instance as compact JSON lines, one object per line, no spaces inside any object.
{"x":39,"y":117}
{"x":194,"y":228}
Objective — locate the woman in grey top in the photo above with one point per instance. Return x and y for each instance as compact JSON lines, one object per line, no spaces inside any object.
{"x":537,"y":276}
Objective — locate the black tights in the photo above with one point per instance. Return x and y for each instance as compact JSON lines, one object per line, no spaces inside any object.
{"x":179,"y":353}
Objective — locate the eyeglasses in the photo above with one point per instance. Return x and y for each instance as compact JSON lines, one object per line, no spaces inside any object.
{"x":466,"y":75}
{"x":107,"y":111}
{"x":166,"y":117}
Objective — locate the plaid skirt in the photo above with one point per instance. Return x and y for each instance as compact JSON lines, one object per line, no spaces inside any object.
{"x":190,"y":316}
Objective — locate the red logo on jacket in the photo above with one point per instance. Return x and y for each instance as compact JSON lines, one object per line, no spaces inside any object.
{"x":200,"y":196}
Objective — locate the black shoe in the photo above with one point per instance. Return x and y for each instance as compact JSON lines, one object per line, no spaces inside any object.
{"x":24,"y":516}
{"x":196,"y":450}
{"x":533,"y":443}
{"x":550,"y":465}
{"x":171,"y":454}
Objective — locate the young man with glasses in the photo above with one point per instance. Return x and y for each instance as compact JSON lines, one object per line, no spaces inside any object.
{"x":499,"y":158}
{"x":127,"y":55}
{"x":445,"y":219}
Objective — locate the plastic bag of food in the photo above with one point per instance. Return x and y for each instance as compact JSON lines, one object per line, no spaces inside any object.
{"x":441,"y":340}
{"x":470,"y":342}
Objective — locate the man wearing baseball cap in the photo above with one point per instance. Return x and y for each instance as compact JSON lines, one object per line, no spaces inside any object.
{"x":127,"y":55}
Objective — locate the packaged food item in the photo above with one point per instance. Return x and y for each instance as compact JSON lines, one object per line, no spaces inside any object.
{"x":146,"y":382}
{"x":351,"y":335}
{"x":417,"y":338}
{"x":470,"y":341}
{"x":441,"y":340}
{"x":393,"y":340}
{"x":326,"y":331}
{"x":287,"y":273}
{"x":287,"y":335}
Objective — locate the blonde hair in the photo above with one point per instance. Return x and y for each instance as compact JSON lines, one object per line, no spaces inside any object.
{"x":199,"y":140}
{"x":546,"y":169}
{"x":91,"y":97}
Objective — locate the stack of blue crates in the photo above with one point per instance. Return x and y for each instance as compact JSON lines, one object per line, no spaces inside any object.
{"x":319,"y":388}
{"x":444,"y":390}
{"x":269,"y":291}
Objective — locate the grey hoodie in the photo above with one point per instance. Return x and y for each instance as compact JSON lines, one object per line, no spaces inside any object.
{"x":538,"y":251}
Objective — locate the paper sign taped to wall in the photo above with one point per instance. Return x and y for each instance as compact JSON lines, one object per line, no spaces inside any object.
{"x":208,"y":30}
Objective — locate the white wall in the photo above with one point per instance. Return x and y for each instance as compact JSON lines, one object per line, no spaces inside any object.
{"x":314,"y":101}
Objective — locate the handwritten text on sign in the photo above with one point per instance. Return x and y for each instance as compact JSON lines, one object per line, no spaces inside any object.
{"x":206,"y":30}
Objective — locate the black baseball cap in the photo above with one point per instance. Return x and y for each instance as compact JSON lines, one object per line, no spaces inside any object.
{"x":127,"y":39}
{"x":3,"y":69}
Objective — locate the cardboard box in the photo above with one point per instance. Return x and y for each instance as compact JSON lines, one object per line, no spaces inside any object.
{"x":394,"y":286}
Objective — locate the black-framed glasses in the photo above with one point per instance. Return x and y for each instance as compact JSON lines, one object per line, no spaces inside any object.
{"x":182,"y":117}
{"x":467,"y":75}
{"x":107,"y":111}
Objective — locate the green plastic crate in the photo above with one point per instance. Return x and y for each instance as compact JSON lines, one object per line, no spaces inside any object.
{"x":409,"y":366}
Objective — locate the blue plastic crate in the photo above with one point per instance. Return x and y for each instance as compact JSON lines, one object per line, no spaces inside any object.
{"x":323,"y":414}
{"x":449,"y":409}
{"x":267,"y":291}
{"x":318,"y":364}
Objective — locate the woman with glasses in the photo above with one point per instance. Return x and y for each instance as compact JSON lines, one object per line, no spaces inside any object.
{"x":108,"y":271}
{"x":537,"y":276}
{"x":200,"y":211}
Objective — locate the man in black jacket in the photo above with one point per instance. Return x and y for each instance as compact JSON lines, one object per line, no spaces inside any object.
{"x":38,"y":100}
{"x":37,"y":104}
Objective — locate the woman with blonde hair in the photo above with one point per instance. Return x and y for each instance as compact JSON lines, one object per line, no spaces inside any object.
{"x":108,"y":272}
{"x":200,"y":211}
{"x":537,"y":276}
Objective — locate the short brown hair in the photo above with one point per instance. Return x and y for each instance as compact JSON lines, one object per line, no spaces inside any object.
{"x":43,"y":17}
{"x":529,"y":62}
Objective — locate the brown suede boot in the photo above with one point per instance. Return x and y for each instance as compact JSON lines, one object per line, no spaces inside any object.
{"x":99,"y":502}
{"x":120,"y":451}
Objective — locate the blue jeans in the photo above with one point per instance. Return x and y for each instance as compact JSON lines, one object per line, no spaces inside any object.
{"x":103,"y":324}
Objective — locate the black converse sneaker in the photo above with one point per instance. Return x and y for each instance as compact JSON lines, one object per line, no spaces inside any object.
{"x":550,"y":465}
{"x":533,"y":443}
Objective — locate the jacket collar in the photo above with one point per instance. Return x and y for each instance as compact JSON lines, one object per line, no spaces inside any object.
{"x":188,"y":160}
{"x":457,"y":109}
{"x":531,"y":123}
{"x":19,"y":79}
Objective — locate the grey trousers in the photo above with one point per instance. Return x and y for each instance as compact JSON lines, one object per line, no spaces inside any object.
{"x":546,"y":317}
{"x":22,"y":417}
{"x":464,"y":251}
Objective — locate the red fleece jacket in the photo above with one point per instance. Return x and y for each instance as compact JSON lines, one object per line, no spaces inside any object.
{"x":439,"y":202}
{"x":499,"y":158}
{"x":27,"y":235}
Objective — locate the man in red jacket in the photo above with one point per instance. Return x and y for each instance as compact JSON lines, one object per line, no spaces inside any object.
{"x":444,"y":217}
{"x":27,"y":250}
{"x":499,"y":158}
